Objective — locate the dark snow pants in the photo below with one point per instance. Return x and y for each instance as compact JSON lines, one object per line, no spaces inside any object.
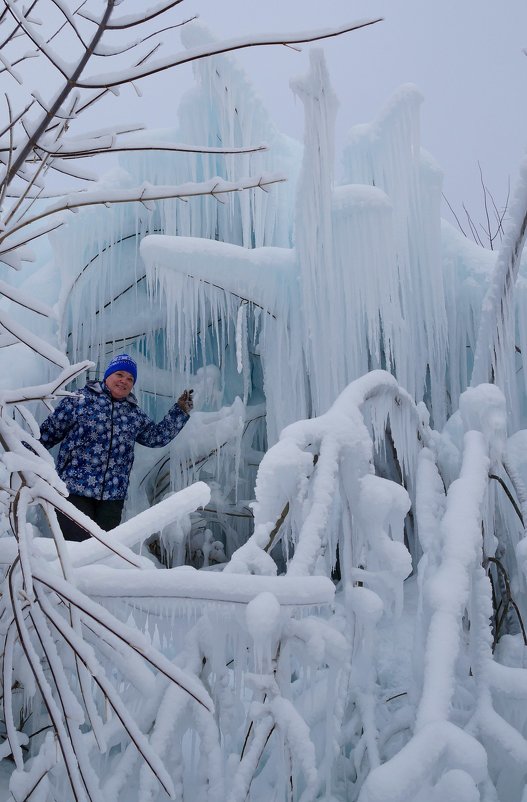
{"x":107,"y":514}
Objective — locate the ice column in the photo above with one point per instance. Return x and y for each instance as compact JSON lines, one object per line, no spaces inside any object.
{"x":387,"y":155}
{"x":314,"y":238}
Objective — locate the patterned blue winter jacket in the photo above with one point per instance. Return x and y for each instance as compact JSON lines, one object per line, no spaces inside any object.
{"x":98,"y":434}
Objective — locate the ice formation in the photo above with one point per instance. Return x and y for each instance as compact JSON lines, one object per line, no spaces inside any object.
{"x":302,"y":588}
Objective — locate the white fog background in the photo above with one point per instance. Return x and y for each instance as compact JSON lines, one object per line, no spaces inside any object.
{"x":465,"y":57}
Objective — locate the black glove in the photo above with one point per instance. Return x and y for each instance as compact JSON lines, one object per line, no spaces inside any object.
{"x":185,"y":401}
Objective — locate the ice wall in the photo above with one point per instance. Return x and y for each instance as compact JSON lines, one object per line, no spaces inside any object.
{"x":282,"y":297}
{"x":103,"y":299}
{"x":223,"y":111}
{"x":204,"y":286}
{"x":369,"y":250}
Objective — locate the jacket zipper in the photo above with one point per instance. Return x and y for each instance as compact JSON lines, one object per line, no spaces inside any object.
{"x":109,"y":453}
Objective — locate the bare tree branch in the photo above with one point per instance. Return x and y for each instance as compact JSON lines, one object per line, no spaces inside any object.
{"x":473,"y":227}
{"x":454,"y":214}
{"x":485,"y":204}
{"x":117,"y":51}
{"x":65,"y":152}
{"x":3,"y":187}
{"x":16,"y":120}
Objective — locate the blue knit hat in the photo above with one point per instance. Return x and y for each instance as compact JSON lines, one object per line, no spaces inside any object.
{"x":121,"y":362}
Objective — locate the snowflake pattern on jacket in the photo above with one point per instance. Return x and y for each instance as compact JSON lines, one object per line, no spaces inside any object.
{"x":98,"y":434}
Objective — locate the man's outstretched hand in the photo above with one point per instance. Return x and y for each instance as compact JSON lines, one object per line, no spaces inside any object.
{"x":185,"y":401}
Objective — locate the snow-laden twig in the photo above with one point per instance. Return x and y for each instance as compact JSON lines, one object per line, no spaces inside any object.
{"x":12,"y":736}
{"x":75,"y":621}
{"x":110,"y":144}
{"x":85,"y":654}
{"x":134,"y":639}
{"x":489,"y":676}
{"x":495,"y":343}
{"x":49,"y":390}
{"x":133,"y":20}
{"x":74,"y":775}
{"x":342,"y":442}
{"x":461,"y":553}
{"x":452,"y":585}
{"x":205,"y":51}
{"x":146,"y":194}
{"x":37,"y":344}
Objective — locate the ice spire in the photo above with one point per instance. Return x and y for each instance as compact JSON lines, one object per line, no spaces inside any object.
{"x":387,"y":154}
{"x":314,"y":236}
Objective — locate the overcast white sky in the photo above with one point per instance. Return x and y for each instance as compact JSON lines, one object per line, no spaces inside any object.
{"x":464,"y":55}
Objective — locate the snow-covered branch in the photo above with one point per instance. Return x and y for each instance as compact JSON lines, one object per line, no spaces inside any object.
{"x":109,"y":144}
{"x":133,"y":20}
{"x":146,"y":194}
{"x":495,"y":343}
{"x":106,"y":81}
{"x":336,"y":438}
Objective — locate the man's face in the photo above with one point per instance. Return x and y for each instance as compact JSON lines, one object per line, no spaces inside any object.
{"x":120,"y":384}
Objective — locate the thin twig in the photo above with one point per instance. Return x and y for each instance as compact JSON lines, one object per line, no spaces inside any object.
{"x":454,"y":214}
{"x":508,"y":494}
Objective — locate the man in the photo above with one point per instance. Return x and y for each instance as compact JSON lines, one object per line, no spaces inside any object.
{"x":97,"y":429}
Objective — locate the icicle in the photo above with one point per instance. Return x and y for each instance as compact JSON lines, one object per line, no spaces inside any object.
{"x":241,"y":323}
